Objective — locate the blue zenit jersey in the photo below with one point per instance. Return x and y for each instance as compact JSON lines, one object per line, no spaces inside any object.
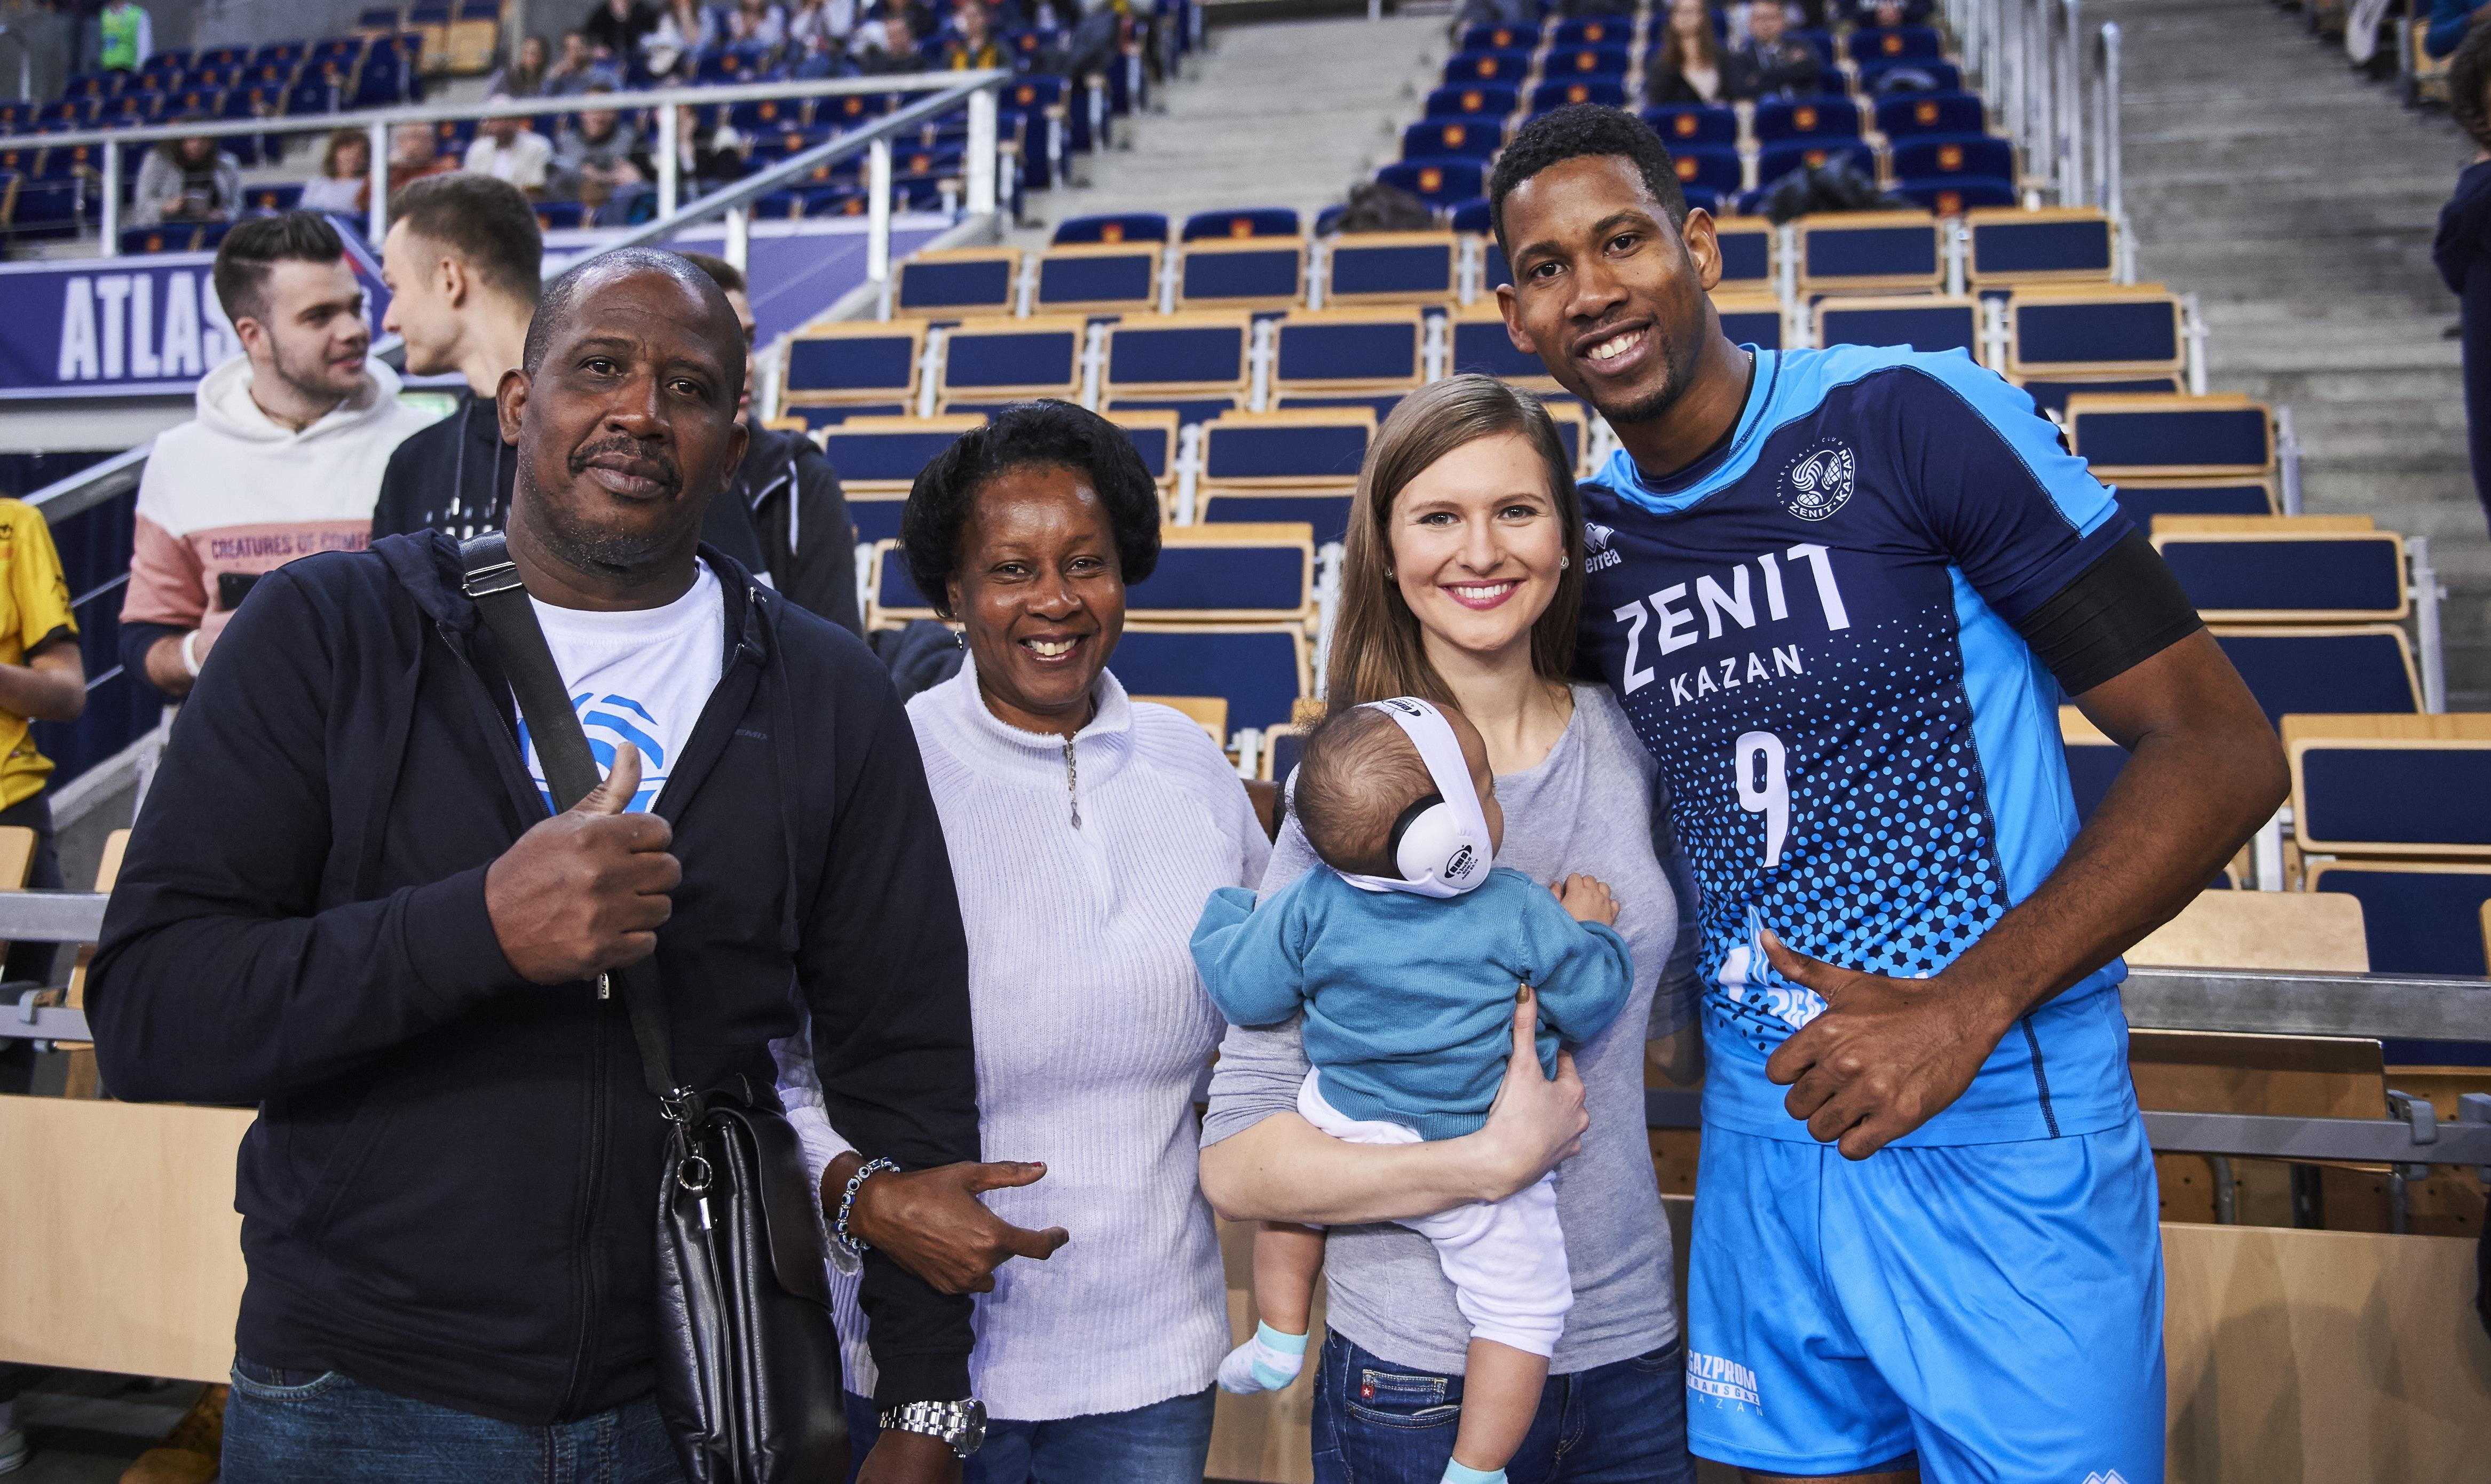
{"x":1812,"y":630}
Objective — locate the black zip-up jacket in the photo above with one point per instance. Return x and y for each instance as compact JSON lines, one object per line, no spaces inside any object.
{"x":451,"y":1189}
{"x":784,"y":515}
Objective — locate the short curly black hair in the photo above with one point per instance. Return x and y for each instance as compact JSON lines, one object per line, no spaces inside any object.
{"x":1572,"y":132}
{"x":1046,"y":433}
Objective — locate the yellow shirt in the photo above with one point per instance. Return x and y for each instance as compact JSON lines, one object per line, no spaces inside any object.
{"x":33,"y":607}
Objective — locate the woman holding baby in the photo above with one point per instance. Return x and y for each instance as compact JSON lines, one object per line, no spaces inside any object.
{"x":1461,"y":587}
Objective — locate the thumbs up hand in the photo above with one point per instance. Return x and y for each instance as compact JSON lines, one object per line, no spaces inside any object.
{"x":1886,"y":1056}
{"x":585,"y":890}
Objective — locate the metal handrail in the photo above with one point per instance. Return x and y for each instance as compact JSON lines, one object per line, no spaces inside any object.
{"x":115,"y":476}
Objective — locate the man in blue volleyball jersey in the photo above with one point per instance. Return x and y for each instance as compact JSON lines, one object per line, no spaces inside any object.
{"x":1833,"y":588}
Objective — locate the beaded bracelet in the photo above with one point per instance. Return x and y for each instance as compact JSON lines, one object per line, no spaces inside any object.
{"x":856,"y":1245}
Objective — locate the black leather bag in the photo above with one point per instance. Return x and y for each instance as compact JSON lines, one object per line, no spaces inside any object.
{"x":748,"y":1361}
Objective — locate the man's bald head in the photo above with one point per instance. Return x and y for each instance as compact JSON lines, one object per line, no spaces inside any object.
{"x":562,"y":298}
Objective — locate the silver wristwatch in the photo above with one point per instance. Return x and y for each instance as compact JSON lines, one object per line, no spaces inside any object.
{"x":960,"y":1424}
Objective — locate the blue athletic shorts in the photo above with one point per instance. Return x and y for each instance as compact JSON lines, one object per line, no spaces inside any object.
{"x":1994,"y":1308}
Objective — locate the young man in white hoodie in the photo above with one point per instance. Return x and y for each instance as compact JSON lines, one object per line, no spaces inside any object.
{"x":285,"y":459}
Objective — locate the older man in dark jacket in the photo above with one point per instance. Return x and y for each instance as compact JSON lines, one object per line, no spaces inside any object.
{"x":347,"y":903}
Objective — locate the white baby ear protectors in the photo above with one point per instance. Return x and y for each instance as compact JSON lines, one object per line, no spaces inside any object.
{"x":1440,"y":842}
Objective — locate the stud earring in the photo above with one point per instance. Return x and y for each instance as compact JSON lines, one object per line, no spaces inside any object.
{"x":1388,"y":575}
{"x":1564,"y":561}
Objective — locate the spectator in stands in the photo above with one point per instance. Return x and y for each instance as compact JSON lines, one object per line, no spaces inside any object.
{"x":674,"y":47}
{"x":42,"y":678}
{"x":507,"y":149}
{"x":522,"y":79}
{"x":758,"y":23}
{"x":1467,"y":488}
{"x":820,"y":26}
{"x":615,"y":30}
{"x":129,"y":36}
{"x":1885,"y":12}
{"x":888,"y":47}
{"x":1085,"y":830}
{"x":461,"y":262}
{"x":414,"y":152}
{"x":971,"y":45}
{"x":594,"y":160}
{"x":344,"y":183}
{"x":285,"y":459}
{"x":2449,"y":20}
{"x":1772,"y":62}
{"x":578,"y":69}
{"x":187,"y":180}
{"x":1688,"y":69}
{"x":2463,"y":250}
{"x":799,"y":537}
{"x":705,"y":161}
{"x":343,"y":848}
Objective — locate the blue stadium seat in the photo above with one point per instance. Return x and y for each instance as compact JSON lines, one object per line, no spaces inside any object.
{"x":1116,"y":227}
{"x":882,"y":453}
{"x":1282,"y":747}
{"x":1850,"y":251}
{"x":1099,"y":278}
{"x":1508,"y":67}
{"x":561,"y":216}
{"x":1162,"y":356}
{"x":1350,"y":350}
{"x":1153,"y":436}
{"x":1230,"y":573}
{"x":381,"y":82}
{"x":1955,"y":198}
{"x":1392,"y":268}
{"x":1611,"y":31}
{"x":1242,"y":222}
{"x":2387,"y":786}
{"x":1681,"y":127}
{"x":222,"y":56}
{"x":1325,"y":512}
{"x":852,"y":108}
{"x":1582,"y":63}
{"x":1822,"y":41}
{"x":1286,"y":450}
{"x":1781,"y":119}
{"x":1491,"y":100}
{"x":1775,"y":161}
{"x":1746,"y":254}
{"x":855,"y":361}
{"x":1451,"y":138}
{"x":778,"y":206}
{"x":45,"y":209}
{"x":284,"y":54}
{"x":997,"y":358}
{"x":335,"y":48}
{"x":2009,"y":248}
{"x":1477,"y":342}
{"x":1712,"y":167}
{"x":1565,"y":91}
{"x":2094,"y":760}
{"x":1908,"y":75}
{"x":310,"y":98}
{"x":176,"y":236}
{"x":2068,"y":331}
{"x":1471,"y":219}
{"x":1956,"y":156}
{"x":1894,"y":44}
{"x":766,"y":115}
{"x":2171,"y":436}
{"x":1257,"y":272}
{"x":1927,"y":322}
{"x":2142,"y":500}
{"x":2418,"y":917}
{"x":1904,"y":115}
{"x":271,"y":199}
{"x":2346,"y":668}
{"x":2278,"y":570}
{"x":1751,"y":320}
{"x":1260,"y":669}
{"x":959,"y":282}
{"x":1436,"y":182}
{"x":1501,"y":37}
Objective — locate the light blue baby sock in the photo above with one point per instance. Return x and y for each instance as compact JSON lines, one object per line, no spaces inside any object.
{"x":1455,"y":1473}
{"x":1266,"y":1362}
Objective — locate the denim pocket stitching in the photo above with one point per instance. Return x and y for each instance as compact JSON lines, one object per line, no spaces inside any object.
{"x":1426,"y":1392}
{"x":1432,"y":1416}
{"x":269,"y":1391}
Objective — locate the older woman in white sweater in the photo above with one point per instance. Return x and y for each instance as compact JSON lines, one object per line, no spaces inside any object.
{"x":1085,"y":831}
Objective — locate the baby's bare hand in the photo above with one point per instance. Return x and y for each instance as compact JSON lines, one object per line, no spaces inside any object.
{"x":1587,"y":899}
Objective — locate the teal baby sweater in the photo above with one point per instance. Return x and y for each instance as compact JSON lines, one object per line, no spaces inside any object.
{"x":1408,"y":998}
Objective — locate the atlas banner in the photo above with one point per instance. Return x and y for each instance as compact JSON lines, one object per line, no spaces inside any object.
{"x":127,"y":325}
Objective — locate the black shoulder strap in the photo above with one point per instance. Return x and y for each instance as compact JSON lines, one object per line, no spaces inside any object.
{"x":492,"y":581}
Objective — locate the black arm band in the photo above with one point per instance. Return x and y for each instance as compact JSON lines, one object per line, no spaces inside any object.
{"x":2118,"y":613}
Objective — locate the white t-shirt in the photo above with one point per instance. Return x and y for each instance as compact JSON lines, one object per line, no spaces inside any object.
{"x":640,"y":677}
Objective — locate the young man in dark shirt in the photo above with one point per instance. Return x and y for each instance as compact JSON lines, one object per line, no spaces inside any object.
{"x":1832,"y":589}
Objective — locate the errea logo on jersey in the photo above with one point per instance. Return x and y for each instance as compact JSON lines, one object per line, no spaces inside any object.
{"x":1820,"y":481}
{"x":1596,"y":555}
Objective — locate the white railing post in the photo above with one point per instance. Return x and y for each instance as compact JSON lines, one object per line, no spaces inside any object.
{"x":738,"y":237}
{"x":669,"y":161}
{"x":1093,"y":363}
{"x":2287,"y":460}
{"x":2071,"y":109}
{"x":1318,"y":273}
{"x":2265,"y":850}
{"x":2112,"y":200}
{"x":1266,"y":335}
{"x":981,"y":161}
{"x":2427,"y":596}
{"x":1188,"y":472}
{"x":111,"y":200}
{"x":877,"y":221}
{"x":377,"y":147}
{"x":1993,"y":335}
{"x":930,"y":370}
{"x":2193,"y":326}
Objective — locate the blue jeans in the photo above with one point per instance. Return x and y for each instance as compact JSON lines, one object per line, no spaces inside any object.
{"x":1380,"y":1423}
{"x":1165,"y":1442}
{"x":320,"y":1427}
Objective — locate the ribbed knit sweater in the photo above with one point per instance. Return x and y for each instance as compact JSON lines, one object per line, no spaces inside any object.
{"x":1092,"y":1032}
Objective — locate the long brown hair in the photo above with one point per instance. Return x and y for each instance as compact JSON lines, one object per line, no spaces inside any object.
{"x":1673,"y":50}
{"x":1376,"y":647}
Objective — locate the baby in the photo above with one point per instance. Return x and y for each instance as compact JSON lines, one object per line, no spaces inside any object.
{"x":1407,"y":956}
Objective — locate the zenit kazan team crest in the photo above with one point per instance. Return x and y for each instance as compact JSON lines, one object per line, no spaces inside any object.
{"x":1819,"y":481}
